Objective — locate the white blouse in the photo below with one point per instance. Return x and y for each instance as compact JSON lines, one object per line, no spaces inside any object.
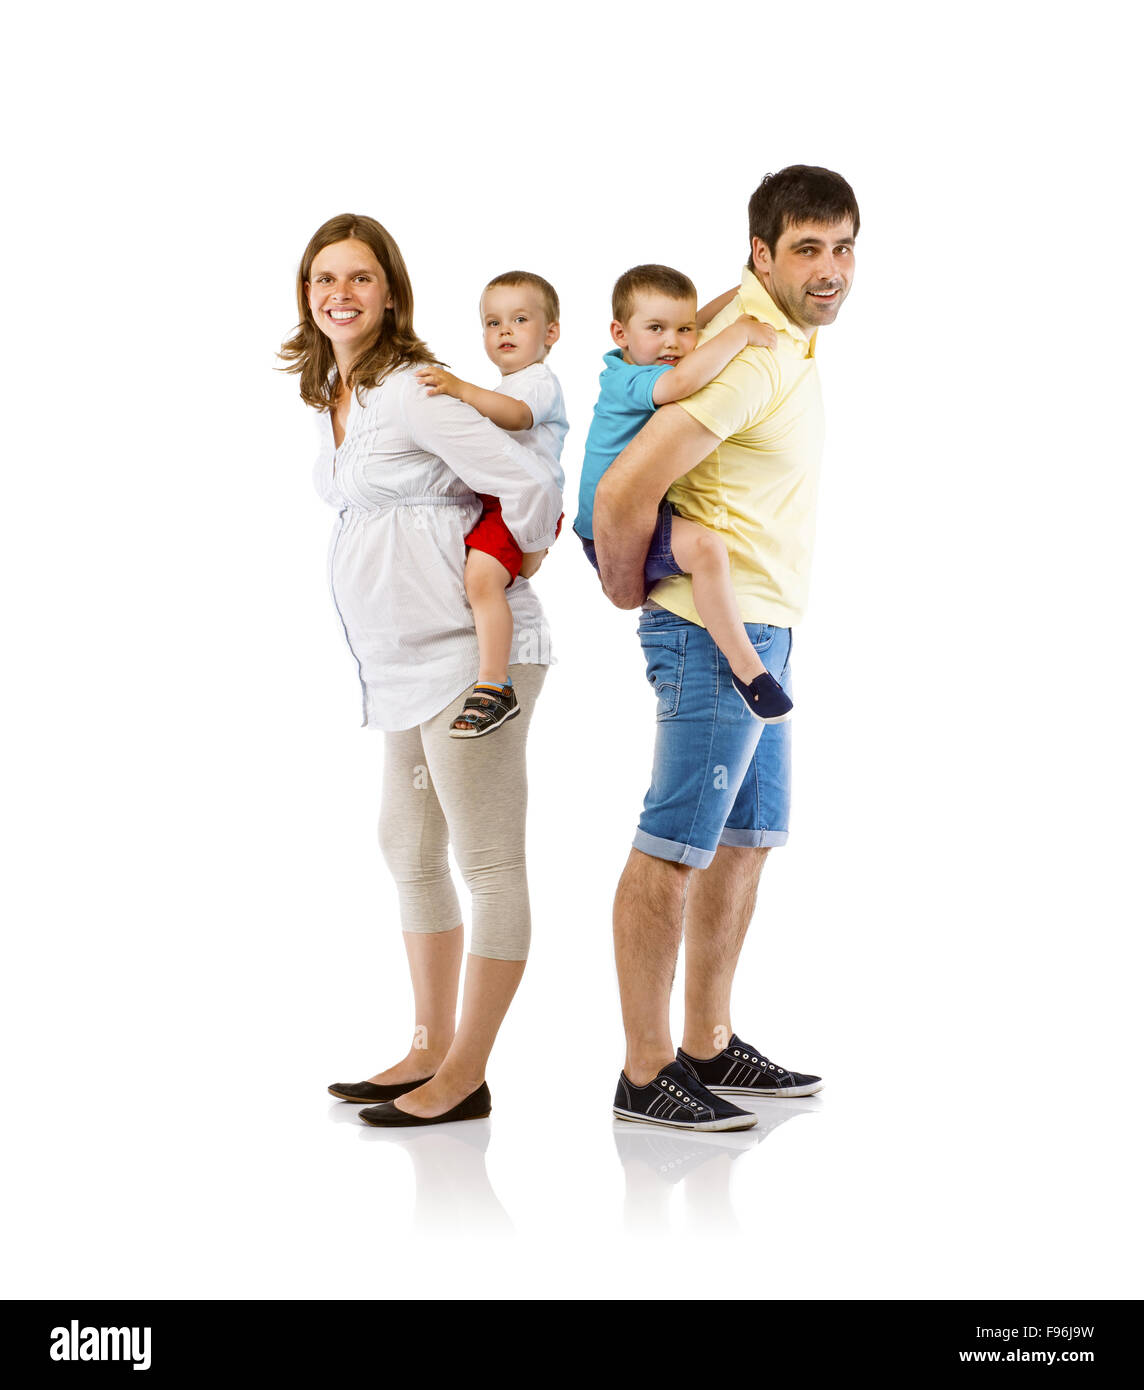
{"x":403,"y":482}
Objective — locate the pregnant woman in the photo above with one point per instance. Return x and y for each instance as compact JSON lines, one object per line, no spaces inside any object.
{"x":403,"y":469}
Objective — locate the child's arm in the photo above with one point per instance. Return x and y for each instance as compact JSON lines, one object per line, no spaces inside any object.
{"x":504,"y":411}
{"x":708,"y":312}
{"x":709,"y":359}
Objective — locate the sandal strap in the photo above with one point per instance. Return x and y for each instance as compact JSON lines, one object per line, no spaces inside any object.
{"x":479,"y":709}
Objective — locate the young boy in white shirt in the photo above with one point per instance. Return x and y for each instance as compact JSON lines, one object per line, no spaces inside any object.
{"x":520,"y":313}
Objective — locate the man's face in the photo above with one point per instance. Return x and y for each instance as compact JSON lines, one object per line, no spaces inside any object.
{"x":810,"y":272}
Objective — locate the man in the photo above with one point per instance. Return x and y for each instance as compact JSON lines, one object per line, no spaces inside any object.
{"x":740,"y":457}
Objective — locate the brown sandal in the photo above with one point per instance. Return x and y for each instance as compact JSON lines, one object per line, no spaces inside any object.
{"x":486,"y":709}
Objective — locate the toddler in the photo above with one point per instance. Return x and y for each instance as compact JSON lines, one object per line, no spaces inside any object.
{"x":655,"y":326}
{"x":521,"y":317}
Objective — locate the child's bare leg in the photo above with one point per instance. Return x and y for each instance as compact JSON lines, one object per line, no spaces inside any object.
{"x":485,"y":583}
{"x":531,"y":562}
{"x":702,"y":554}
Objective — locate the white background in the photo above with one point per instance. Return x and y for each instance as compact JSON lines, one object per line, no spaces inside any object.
{"x":201,"y":933}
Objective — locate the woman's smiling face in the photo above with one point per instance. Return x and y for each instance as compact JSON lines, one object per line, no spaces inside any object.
{"x":348,"y":295}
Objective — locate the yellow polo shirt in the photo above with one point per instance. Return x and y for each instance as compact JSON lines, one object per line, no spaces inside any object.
{"x":759,"y":487}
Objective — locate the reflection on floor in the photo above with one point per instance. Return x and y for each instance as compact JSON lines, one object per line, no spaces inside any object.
{"x":453,"y":1192}
{"x":452,"y":1185}
{"x":656,"y":1159}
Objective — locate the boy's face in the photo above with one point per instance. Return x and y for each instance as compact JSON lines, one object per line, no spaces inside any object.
{"x":660,"y":330}
{"x":517,"y":332}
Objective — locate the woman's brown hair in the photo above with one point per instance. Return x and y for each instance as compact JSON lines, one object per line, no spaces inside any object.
{"x":310,"y":354}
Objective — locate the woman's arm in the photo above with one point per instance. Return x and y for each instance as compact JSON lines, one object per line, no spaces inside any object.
{"x":504,"y":411}
{"x":488,"y":460}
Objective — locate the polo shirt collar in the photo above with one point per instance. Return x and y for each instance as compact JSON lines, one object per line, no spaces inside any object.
{"x":758,"y":302}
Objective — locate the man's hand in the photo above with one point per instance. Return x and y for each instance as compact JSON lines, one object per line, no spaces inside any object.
{"x":440,"y":382}
{"x":629,"y":494}
{"x":758,"y":334}
{"x":622,"y":535}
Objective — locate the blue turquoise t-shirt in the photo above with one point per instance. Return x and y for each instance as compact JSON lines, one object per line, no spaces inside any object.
{"x":623,"y":408}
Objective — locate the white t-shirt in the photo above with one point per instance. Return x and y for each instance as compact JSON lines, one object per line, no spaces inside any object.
{"x":538,"y":388}
{"x":404,"y":483}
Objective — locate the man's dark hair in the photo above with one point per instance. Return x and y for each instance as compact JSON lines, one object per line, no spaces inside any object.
{"x":796,"y":194}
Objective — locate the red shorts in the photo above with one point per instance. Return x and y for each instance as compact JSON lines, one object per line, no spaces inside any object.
{"x":493,"y":537}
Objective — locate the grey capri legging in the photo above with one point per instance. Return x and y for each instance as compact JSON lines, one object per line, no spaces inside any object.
{"x":471,"y":793}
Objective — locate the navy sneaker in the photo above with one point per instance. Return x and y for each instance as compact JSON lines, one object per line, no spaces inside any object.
{"x":765,"y":698}
{"x":676,"y":1099}
{"x":740,"y":1070}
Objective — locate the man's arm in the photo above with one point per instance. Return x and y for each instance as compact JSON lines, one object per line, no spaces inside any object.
{"x":629,"y":494}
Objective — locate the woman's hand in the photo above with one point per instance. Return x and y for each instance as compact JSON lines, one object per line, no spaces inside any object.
{"x":440,"y":382}
{"x":531,"y":562}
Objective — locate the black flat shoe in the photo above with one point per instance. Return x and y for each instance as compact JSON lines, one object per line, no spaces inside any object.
{"x":474,"y":1107}
{"x":366,"y":1090}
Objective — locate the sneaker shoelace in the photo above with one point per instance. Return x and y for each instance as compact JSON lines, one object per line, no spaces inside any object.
{"x":746,"y":1055}
{"x":677,"y":1092}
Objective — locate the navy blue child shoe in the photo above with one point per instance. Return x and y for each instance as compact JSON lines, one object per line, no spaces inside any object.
{"x":765,"y":698}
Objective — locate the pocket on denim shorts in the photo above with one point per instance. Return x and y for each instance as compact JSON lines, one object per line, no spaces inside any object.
{"x":765,"y":638}
{"x":774,"y":660}
{"x":663,"y":652}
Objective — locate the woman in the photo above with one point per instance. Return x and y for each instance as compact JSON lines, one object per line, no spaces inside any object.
{"x":403,"y":469}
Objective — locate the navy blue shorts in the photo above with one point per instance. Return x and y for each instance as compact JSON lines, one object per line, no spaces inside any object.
{"x":660,"y":562}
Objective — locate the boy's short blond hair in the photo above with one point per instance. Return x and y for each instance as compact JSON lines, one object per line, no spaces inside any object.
{"x":536,"y":282}
{"x":661,"y":279}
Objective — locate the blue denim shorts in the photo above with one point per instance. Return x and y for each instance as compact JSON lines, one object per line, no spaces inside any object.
{"x":719,"y":776}
{"x":660,"y":562}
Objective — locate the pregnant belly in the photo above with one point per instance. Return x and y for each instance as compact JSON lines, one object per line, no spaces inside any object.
{"x":398,"y":586}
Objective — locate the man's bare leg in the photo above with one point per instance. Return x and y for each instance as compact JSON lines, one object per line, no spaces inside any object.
{"x":647,"y":924}
{"x":720,"y":904}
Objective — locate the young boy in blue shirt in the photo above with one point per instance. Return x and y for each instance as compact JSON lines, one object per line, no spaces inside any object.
{"x":656,"y":328}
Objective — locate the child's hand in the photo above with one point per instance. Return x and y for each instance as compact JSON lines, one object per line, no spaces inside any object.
{"x":758,"y":334}
{"x":440,"y":382}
